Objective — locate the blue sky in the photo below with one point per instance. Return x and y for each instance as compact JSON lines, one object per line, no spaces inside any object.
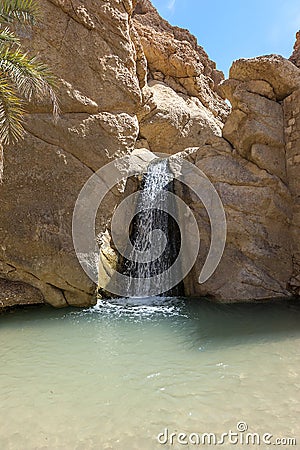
{"x":232,"y":29}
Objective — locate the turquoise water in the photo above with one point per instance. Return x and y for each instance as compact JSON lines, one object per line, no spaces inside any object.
{"x":116,"y":376}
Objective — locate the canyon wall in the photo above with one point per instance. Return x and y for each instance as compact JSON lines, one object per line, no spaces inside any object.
{"x":129,"y":80}
{"x":91,"y":50}
{"x":257,"y":178}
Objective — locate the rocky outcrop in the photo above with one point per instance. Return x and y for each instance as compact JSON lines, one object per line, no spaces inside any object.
{"x":131,"y":80}
{"x":295,"y":57}
{"x":174,"y":57}
{"x":175,"y":121}
{"x":182,"y":105}
{"x":257,"y":178}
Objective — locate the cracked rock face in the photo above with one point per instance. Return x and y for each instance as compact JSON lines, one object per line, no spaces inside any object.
{"x":130,"y":80}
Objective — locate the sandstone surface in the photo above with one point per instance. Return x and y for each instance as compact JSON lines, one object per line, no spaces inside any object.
{"x":130,"y":80}
{"x":90,"y":49}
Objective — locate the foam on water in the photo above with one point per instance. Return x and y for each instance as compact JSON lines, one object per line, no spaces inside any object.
{"x":139,"y":307}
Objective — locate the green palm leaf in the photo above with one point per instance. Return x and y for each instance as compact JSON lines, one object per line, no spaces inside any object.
{"x":23,"y":11}
{"x":30,"y":76}
{"x":22,"y":77}
{"x":11,"y":113}
{"x":8,"y":37}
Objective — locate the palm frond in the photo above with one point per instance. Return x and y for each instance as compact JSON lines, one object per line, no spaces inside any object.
{"x":31,"y":77}
{"x":21,"y":76}
{"x":1,"y":162}
{"x":8,"y":37}
{"x":11,"y":113}
{"x":24,"y":11}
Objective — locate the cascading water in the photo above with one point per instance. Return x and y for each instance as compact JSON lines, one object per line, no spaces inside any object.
{"x":153,"y":231}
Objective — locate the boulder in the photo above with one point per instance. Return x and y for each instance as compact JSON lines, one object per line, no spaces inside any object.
{"x":279,"y":72}
{"x":172,"y":121}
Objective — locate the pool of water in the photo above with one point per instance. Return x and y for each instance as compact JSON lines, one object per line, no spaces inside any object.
{"x":117,"y":375}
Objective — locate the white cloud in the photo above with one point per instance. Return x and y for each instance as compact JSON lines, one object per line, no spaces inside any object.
{"x":171,"y":5}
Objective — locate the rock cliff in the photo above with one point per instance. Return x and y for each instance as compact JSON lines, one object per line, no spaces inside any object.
{"x":295,"y":57}
{"x":256,"y":177}
{"x":130,"y":80}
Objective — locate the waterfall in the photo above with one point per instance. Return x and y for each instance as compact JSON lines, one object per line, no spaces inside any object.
{"x":153,"y":231}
